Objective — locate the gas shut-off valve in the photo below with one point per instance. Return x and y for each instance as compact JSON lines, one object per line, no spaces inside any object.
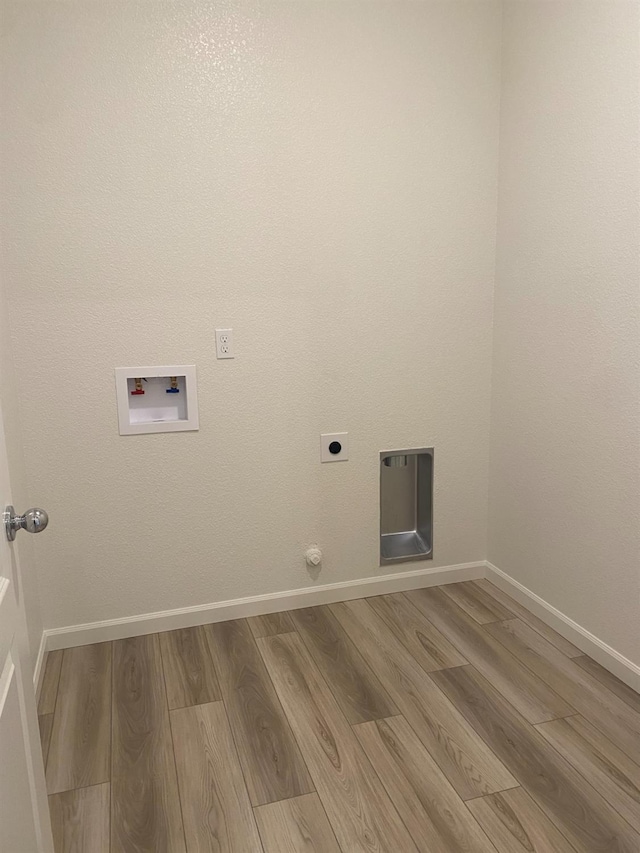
{"x":313,"y":556}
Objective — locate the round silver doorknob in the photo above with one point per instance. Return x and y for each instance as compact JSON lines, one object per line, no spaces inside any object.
{"x":33,"y":521}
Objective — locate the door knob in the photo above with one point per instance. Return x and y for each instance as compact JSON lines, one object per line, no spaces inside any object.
{"x":33,"y":521}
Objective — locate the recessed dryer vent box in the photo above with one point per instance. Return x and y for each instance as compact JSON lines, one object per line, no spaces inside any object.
{"x":406,"y":505}
{"x":157,"y":399}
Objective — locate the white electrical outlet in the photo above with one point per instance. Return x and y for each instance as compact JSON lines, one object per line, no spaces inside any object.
{"x":224,"y":343}
{"x":334,"y":447}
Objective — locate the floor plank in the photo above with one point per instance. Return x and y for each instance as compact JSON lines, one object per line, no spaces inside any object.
{"x":80,"y":820}
{"x":298,"y":825}
{"x":527,"y":616}
{"x":476,"y":602}
{"x":79,"y":750}
{"x":358,"y":692}
{"x":269,"y":755}
{"x":433,"y":813}
{"x":145,"y":808}
{"x":516,"y":824}
{"x":533,"y":697}
{"x":428,"y":646}
{"x":580,"y":813}
{"x":50,"y":682}
{"x":610,"y":681}
{"x":45,"y":724}
{"x":270,"y":624}
{"x":216,"y":810}
{"x":189,"y":671}
{"x":610,"y":771}
{"x":585,"y":693}
{"x":466,"y":760}
{"x":356,"y":803}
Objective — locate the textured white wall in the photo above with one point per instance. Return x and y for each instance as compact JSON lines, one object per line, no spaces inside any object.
{"x":565,"y":461}
{"x":319,"y":176}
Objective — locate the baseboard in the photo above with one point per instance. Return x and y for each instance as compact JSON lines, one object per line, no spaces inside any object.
{"x":591,"y":645}
{"x":258,"y":605}
{"x":38,"y":670}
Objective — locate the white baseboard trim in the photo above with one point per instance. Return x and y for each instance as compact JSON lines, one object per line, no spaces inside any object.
{"x":604,"y":654}
{"x":38,"y":670}
{"x":258,"y":605}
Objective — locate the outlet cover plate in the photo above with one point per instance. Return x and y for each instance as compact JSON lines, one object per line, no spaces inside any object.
{"x":224,"y":343}
{"x":328,"y":443}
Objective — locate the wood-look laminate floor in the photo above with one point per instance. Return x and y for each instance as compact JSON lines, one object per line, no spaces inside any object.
{"x":442,"y":720}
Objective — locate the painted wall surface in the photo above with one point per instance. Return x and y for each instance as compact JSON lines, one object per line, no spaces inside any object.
{"x":565,"y":460}
{"x":321,"y":180}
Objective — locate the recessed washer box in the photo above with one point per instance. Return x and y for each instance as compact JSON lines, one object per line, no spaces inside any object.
{"x":406,"y":505}
{"x":157,"y":399}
